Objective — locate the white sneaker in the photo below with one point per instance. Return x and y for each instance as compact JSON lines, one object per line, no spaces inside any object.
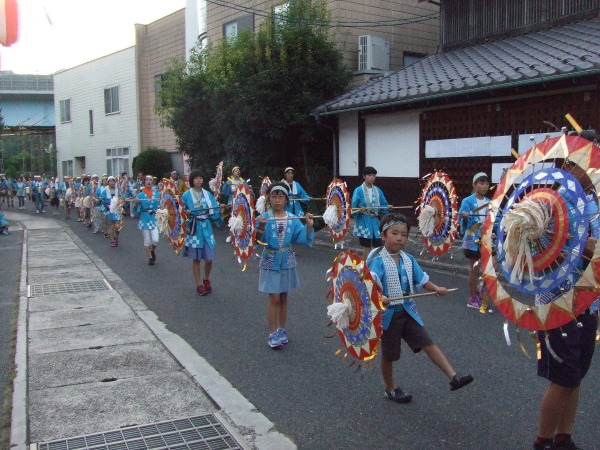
{"x":37,"y":211}
{"x":228,"y":240}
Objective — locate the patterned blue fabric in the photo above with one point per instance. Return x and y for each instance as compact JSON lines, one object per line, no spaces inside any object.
{"x":229,"y":188}
{"x":276,"y":256}
{"x":470,"y":240}
{"x":296,"y":191}
{"x":105,"y":197}
{"x":420,"y":278}
{"x":367,"y":225}
{"x":203,"y":233}
{"x":146,"y":208}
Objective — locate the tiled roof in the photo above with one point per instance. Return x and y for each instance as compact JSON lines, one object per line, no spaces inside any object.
{"x":569,"y":50}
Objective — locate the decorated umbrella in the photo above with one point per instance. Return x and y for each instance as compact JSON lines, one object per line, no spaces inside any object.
{"x":545,"y":220}
{"x":242,"y":223}
{"x":171,"y":216}
{"x":438,"y":217}
{"x":261,"y":203}
{"x":356,"y":308}
{"x":338,"y":211}
{"x":215,"y":183}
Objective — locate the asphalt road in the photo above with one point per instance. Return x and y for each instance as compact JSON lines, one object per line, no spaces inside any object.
{"x":313,"y":396}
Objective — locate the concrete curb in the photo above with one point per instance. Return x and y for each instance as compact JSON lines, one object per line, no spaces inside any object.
{"x":251,"y":426}
{"x":19,"y":430}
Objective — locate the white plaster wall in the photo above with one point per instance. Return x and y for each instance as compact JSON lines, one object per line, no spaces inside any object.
{"x":348,"y":145}
{"x":392,"y":144}
{"x":84,"y":85}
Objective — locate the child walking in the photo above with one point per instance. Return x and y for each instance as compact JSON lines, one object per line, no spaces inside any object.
{"x":202,"y":209}
{"x":145,"y":205}
{"x":278,"y":261}
{"x":368,"y":204}
{"x":399,"y":274}
{"x":470,"y":228}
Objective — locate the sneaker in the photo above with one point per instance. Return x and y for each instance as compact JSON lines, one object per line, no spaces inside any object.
{"x":228,"y":240}
{"x":274,"y":341}
{"x":542,"y":446}
{"x":564,"y":445}
{"x":150,"y":262}
{"x":474,"y":302}
{"x":37,"y":211}
{"x":201,"y":291}
{"x":398,"y":395}
{"x":207,"y":286}
{"x":282,"y":336}
{"x":460,"y":381}
{"x":153,"y":255}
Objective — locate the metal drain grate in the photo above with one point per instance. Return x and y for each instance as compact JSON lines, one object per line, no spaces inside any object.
{"x":195,"y":433}
{"x":74,"y":287}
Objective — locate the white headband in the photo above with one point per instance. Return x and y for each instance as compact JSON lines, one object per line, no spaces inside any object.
{"x":280,"y":188}
{"x":394,"y":222}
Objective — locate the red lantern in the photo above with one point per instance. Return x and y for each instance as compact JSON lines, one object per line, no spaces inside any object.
{"x":9,"y":22}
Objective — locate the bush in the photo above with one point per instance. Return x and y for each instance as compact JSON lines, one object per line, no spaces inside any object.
{"x":152,"y":161}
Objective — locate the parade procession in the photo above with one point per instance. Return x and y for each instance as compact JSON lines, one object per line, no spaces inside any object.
{"x":280,"y":225}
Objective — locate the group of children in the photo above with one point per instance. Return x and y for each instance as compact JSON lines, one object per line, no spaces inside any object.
{"x":383,"y":236}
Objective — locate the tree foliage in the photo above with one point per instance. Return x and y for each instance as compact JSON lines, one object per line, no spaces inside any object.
{"x":153,"y":161}
{"x":247,"y":101}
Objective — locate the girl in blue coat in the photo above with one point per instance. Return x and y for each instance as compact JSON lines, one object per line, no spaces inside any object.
{"x":278,"y":261}
{"x":201,"y":209}
{"x":145,"y":204}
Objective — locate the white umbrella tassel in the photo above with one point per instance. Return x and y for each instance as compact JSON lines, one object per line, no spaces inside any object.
{"x":114,"y":205}
{"x":162,"y":221}
{"x":427,"y":220}
{"x":339,"y":312}
{"x":524,"y":223}
{"x":261,"y":204}
{"x":236,"y":224}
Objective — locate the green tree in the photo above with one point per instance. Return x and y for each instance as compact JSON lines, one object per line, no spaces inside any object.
{"x":153,"y":161}
{"x":246,"y":101}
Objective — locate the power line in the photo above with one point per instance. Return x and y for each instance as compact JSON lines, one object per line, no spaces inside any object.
{"x":337,"y":24}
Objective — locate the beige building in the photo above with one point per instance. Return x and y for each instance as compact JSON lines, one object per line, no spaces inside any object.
{"x":395,"y":33}
{"x":157,"y":44}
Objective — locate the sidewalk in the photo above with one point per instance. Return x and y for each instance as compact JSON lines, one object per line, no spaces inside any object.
{"x":95,"y":367}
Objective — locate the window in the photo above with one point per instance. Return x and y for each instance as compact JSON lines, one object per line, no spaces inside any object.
{"x":91,"y":117}
{"x":111,"y":100}
{"x":157,"y":86}
{"x":203,"y":40}
{"x":65,"y":110}
{"x":67,"y":167}
{"x":117,"y":160}
{"x":232,"y":29}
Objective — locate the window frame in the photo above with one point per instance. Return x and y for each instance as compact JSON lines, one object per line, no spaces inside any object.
{"x":65,"y":110}
{"x":111,"y":100}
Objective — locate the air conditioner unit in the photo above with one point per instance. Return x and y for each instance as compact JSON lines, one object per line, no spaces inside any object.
{"x":373,"y":53}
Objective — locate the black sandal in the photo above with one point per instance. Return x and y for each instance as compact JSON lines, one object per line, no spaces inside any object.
{"x":457,"y":381}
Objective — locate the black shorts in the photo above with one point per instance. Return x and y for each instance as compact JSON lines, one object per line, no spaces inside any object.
{"x":472,"y":254}
{"x":403,"y":326}
{"x":373,"y":243}
{"x":575,"y":349}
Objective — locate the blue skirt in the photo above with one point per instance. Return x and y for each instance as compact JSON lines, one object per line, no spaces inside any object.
{"x":278,"y":281}
{"x":196,"y":253}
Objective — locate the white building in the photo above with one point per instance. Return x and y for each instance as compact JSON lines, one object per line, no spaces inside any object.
{"x":97,"y":120}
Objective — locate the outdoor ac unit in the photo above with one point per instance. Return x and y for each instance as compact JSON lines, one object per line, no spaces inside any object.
{"x":373,"y":53}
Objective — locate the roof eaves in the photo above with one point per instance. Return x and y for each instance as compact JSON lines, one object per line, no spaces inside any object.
{"x":417,"y":99}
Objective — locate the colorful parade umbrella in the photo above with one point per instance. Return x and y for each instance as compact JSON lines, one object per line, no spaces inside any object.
{"x":541,"y":215}
{"x":171,"y":216}
{"x":242,"y":223}
{"x":356,"y":308}
{"x":215,"y":183}
{"x":438,"y":216}
{"x":338,"y":212}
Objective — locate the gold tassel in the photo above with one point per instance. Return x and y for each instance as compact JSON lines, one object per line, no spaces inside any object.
{"x":538,"y":347}
{"x":484,"y":303}
{"x":520,"y":342}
